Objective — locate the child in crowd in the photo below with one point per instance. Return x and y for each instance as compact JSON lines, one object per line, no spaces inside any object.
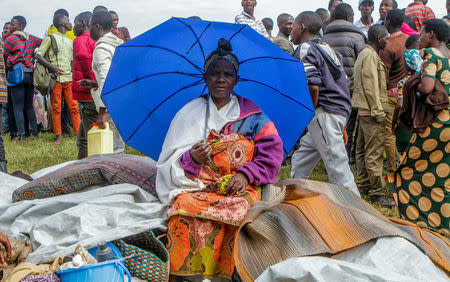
{"x":413,"y":63}
{"x":330,"y":93}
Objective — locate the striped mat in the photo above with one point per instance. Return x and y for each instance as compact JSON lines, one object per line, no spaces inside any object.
{"x":308,"y":218}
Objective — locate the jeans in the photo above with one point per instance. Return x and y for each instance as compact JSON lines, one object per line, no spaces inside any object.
{"x":22,"y":101}
{"x":324,"y":140}
{"x":4,"y":116}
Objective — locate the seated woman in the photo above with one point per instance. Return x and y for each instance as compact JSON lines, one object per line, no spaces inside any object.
{"x":422,"y":181}
{"x":217,"y":153}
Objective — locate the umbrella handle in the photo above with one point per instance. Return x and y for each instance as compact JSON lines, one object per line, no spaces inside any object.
{"x":206,"y":119}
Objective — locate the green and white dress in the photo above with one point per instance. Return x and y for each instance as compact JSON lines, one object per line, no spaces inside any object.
{"x":421,"y":183}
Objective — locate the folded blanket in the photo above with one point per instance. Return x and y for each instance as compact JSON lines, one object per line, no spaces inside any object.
{"x":95,"y":170}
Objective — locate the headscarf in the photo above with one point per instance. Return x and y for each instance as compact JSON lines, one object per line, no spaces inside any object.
{"x":223,"y":51}
{"x":413,"y":60}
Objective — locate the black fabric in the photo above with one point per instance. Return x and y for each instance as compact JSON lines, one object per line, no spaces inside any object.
{"x":346,"y":39}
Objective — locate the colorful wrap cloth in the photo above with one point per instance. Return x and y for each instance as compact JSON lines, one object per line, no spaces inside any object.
{"x":202,"y":225}
{"x":316,"y":218}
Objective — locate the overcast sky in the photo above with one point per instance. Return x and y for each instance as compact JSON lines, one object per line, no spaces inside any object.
{"x":141,"y":15}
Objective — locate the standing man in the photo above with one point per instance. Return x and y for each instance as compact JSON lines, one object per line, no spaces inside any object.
{"x":19,"y":49}
{"x":344,"y":37}
{"x":247,"y":17}
{"x":330,"y":93}
{"x":61,"y":65}
{"x":99,"y":28}
{"x":268,"y":25}
{"x":121,"y":32}
{"x":52,"y":29}
{"x":369,"y":96}
{"x":331,"y":6}
{"x":396,"y":70}
{"x":385,"y":7}
{"x":419,"y":12}
{"x":323,"y":13}
{"x":366,"y":21}
{"x":285,"y":22}
{"x":83,"y":48}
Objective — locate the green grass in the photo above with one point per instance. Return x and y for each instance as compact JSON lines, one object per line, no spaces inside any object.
{"x":33,"y":155}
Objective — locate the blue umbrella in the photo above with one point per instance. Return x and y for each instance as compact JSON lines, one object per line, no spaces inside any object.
{"x":155,"y":74}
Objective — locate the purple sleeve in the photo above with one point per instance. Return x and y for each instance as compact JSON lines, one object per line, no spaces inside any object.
{"x":191,"y":167}
{"x":266,"y":164}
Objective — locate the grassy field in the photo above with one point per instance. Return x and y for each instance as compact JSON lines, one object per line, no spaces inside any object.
{"x":33,"y":155}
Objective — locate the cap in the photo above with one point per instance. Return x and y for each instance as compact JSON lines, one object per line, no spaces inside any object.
{"x":362,"y":1}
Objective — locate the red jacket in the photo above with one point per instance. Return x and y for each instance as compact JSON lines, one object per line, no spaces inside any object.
{"x":83,"y":47}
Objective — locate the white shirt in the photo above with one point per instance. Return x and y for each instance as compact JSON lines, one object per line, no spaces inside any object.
{"x":364,"y":29}
{"x":245,"y":18}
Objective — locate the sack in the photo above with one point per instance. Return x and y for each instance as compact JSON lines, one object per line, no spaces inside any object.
{"x":151,"y":258}
{"x":16,"y":75}
{"x":43,"y":79}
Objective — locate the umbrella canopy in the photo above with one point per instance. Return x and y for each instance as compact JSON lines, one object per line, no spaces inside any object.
{"x":155,"y":74}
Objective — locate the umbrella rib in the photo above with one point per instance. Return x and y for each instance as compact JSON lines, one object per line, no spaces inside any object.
{"x":197,"y":37}
{"x":150,"y":75}
{"x":236,"y":33}
{"x":290,"y":98}
{"x":162,"y":102}
{"x":268,"y":57}
{"x":165,"y":49}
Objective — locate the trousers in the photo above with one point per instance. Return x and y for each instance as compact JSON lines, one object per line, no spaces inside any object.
{"x":324,"y":140}
{"x":88,"y":115}
{"x":22,"y":102}
{"x":369,"y":156}
{"x":58,"y":91}
{"x":390,"y":139}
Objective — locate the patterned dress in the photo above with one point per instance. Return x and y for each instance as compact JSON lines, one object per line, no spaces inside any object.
{"x":203,"y":224}
{"x":421,"y":183}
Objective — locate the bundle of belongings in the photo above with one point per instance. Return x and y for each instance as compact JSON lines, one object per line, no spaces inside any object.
{"x":300,"y":229}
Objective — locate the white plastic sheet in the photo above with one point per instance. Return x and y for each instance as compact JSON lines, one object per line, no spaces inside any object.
{"x":385,"y":259}
{"x":55,"y":225}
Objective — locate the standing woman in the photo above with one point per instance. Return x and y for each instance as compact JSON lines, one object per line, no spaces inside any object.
{"x":3,"y":100}
{"x":423,"y":178}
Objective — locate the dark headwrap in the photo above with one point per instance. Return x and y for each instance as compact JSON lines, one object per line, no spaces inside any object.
{"x":223,"y":51}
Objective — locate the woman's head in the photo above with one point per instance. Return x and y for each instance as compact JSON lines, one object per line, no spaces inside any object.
{"x":434,"y":31}
{"x":221,"y":68}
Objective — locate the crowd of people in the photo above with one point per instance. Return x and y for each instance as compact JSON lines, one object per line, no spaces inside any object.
{"x":356,"y":73}
{"x":379,"y":88}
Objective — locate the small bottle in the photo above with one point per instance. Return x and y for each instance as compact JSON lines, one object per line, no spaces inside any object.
{"x":104,"y":252}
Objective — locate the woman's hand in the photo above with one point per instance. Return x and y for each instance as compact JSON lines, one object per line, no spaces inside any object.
{"x":237,"y":184}
{"x":201,"y":153}
{"x":4,"y":240}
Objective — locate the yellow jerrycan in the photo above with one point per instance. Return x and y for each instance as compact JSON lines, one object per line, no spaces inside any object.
{"x":100,"y":141}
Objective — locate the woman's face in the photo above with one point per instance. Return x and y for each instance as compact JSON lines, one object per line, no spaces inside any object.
{"x":425,"y":38}
{"x":221,"y":78}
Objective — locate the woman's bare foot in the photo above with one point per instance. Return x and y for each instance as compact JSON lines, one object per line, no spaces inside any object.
{"x":57,"y":140}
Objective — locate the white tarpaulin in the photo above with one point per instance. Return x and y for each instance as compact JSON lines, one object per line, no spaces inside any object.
{"x":385,"y":259}
{"x":55,"y":225}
